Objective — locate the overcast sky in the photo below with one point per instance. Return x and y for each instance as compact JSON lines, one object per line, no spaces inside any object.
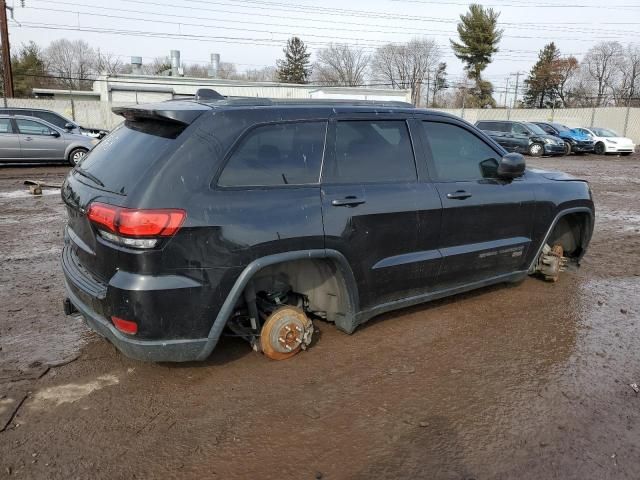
{"x":251,"y":33}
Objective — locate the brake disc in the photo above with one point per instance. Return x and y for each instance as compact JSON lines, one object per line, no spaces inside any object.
{"x":285,"y":332}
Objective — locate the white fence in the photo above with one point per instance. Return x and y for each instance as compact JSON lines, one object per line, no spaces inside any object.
{"x":625,"y":121}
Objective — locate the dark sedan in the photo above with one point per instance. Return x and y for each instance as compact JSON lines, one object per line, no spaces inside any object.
{"x":522,"y":137}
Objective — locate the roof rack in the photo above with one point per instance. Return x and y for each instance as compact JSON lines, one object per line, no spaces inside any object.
{"x":211,"y":97}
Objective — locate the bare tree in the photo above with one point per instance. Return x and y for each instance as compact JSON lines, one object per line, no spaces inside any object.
{"x":566,"y":69}
{"x":196,"y":70}
{"x":108,"y":63}
{"x":601,"y":64}
{"x":406,"y":65}
{"x":628,"y":85}
{"x":266,"y":74}
{"x":341,"y":65}
{"x":73,"y":62}
{"x":227,"y":71}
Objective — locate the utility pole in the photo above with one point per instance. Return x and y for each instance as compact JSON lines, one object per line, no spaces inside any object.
{"x":515,"y":99}
{"x":6,"y":53}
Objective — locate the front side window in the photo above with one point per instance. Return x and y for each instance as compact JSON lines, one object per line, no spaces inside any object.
{"x":458,"y":154}
{"x":277,"y":154}
{"x":5,"y":125}
{"x":29,"y":127}
{"x":519,"y":129}
{"x":372,"y":151}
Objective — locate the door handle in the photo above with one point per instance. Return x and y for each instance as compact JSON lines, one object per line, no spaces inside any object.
{"x":28,"y":139}
{"x":458,"y":195}
{"x":348,"y":201}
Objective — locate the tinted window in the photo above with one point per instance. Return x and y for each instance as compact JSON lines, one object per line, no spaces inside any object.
{"x":519,"y":129}
{"x":30,"y":127}
{"x":458,"y":154}
{"x":279,"y":154}
{"x":535,"y":129}
{"x":369,"y":151}
{"x":547,"y":128}
{"x":5,"y":125}
{"x":120,"y":160}
{"x":492,"y":126}
{"x":52,"y":118}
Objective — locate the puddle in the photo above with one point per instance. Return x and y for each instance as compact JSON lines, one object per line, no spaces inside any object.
{"x":27,"y":194}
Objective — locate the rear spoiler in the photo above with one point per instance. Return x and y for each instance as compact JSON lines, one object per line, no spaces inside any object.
{"x":182,"y":113}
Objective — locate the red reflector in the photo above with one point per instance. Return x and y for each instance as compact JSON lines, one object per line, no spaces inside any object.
{"x":125,"y":326}
{"x":137,"y":223}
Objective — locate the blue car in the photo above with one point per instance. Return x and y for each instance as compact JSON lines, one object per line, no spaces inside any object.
{"x":574,"y":140}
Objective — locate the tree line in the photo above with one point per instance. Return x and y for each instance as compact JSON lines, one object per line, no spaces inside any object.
{"x":609,"y":74}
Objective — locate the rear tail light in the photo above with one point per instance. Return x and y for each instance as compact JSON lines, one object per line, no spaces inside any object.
{"x":137,"y":228}
{"x":125,"y":326}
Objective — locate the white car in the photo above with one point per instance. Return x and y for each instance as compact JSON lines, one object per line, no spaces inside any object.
{"x":608,"y":141}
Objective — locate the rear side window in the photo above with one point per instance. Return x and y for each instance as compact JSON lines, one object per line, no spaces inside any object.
{"x":277,"y":154}
{"x":52,"y":118}
{"x":372,"y":151}
{"x":121,"y":159}
{"x":458,"y":154}
{"x":5,"y":125}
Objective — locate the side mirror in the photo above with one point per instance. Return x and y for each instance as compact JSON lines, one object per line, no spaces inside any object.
{"x":512,"y":165}
{"x":54,"y":133}
{"x":69,"y":126}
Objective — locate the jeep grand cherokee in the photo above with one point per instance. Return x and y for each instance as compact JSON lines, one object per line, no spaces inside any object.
{"x":258,"y":217}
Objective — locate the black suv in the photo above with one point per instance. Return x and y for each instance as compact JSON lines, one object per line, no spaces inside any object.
{"x":258,"y":216}
{"x":522,"y":137}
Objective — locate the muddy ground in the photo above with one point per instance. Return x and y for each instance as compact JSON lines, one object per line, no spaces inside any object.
{"x":528,"y":381}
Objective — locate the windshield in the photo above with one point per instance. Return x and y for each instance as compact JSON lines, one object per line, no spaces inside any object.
{"x":123,"y":157}
{"x":535,"y":129}
{"x":603,"y":132}
{"x":560,"y":127}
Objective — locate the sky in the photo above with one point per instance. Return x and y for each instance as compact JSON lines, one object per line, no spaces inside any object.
{"x":252,"y":33}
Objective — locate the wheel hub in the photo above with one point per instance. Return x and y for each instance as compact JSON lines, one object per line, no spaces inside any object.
{"x":285,"y":332}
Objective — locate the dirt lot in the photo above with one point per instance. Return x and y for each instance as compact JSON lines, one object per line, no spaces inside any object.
{"x":528,"y":381}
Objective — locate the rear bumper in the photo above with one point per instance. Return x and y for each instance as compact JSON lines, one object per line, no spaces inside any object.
{"x":144,"y":350}
{"x":91,"y":298}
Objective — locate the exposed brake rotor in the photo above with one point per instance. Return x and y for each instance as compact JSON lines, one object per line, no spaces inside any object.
{"x":552,"y":262}
{"x":285,"y":332}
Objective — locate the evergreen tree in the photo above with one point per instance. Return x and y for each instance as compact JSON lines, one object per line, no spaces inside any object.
{"x":295,"y":68}
{"x":29,"y":70}
{"x":544,"y":79}
{"x":479,"y":37}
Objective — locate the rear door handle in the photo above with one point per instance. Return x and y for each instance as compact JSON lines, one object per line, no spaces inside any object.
{"x":348,"y":201}
{"x":28,"y":139}
{"x":458,"y":195}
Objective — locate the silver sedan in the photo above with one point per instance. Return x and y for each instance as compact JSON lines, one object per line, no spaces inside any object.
{"x":29,"y":139}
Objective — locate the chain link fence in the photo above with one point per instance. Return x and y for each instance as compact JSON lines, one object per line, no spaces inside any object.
{"x":623,"y":120}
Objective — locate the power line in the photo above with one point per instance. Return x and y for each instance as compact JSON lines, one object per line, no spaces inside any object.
{"x":332,"y":27}
{"x":520,"y":5}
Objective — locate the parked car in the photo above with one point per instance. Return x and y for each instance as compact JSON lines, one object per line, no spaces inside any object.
{"x":56,"y":119}
{"x":29,"y":139}
{"x":522,"y":137}
{"x":608,"y":141}
{"x":574,"y":140}
{"x":262,"y":216}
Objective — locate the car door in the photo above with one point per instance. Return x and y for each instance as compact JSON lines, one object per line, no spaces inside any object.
{"x":486,"y":222}
{"x":39,"y":141}
{"x":520,"y":138}
{"x":9,"y":142}
{"x":374,"y":209}
{"x":498,"y":131}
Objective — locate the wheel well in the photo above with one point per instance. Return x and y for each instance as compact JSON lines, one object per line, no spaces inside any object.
{"x":572,"y":232}
{"x":320,"y":280}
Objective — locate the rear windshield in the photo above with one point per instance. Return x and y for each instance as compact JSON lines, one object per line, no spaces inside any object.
{"x":123,"y":157}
